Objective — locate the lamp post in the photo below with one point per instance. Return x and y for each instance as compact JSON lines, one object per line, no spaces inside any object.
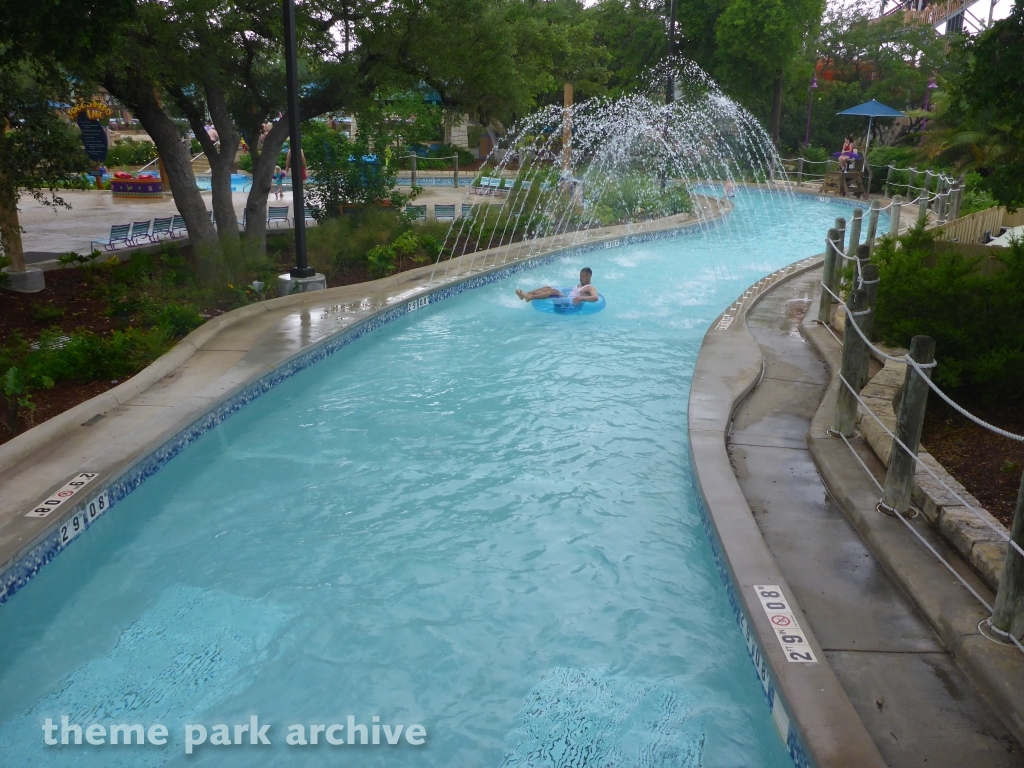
{"x":301,"y":268}
{"x":810,"y":103}
{"x":932,"y":85}
{"x":670,"y":87}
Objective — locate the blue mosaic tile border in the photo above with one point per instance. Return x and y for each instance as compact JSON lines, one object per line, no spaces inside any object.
{"x":794,"y":740}
{"x":24,"y":567}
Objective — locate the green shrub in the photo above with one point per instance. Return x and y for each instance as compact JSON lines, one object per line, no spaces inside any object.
{"x":381,"y":261}
{"x":177,"y":320}
{"x":816,"y":154}
{"x":128,"y":151}
{"x":975,"y":313}
{"x":86,"y":356}
{"x":975,"y":198}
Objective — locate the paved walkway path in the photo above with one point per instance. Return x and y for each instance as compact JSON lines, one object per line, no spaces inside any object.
{"x":50,"y":231}
{"x":918,"y":706}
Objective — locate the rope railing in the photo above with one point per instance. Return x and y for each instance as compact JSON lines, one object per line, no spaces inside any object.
{"x":923,"y":371}
{"x":995,"y":528}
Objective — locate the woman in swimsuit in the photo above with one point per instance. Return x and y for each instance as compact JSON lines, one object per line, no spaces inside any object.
{"x":848,"y":155}
{"x":582,"y":292}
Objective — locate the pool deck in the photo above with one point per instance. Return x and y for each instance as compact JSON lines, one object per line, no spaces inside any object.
{"x":115,"y":431}
{"x":51,"y":231}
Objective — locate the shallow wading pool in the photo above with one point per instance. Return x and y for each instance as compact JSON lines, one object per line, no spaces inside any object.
{"x":478,"y":518}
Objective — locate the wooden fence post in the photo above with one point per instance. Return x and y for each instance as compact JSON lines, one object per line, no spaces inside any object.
{"x":899,"y":478}
{"x":888,"y":181}
{"x":894,"y":215}
{"x":854,"y":368}
{"x":1008,"y":614}
{"x":872,"y":225}
{"x":954,"y":201}
{"x":940,"y":201}
{"x":825,"y":302}
{"x":855,"y":226}
{"x":911,"y":183}
{"x":800,"y":171}
{"x":922,"y":207}
{"x":412,"y":175}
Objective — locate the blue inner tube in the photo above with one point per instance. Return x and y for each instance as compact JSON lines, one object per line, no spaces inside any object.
{"x":564,"y":306}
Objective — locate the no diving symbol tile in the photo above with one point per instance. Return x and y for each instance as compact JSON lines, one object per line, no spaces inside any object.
{"x":787,"y":630}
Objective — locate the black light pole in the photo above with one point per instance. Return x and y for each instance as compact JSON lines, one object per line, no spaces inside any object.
{"x":670,"y":90}
{"x":301,"y":268}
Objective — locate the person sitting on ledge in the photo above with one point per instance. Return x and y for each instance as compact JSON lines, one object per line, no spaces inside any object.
{"x":848,"y":155}
{"x":582,"y":292}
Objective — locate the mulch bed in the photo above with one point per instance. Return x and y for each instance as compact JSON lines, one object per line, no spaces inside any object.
{"x":989,"y":466}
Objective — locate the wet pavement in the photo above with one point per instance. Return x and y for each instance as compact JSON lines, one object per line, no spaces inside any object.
{"x":916,"y":703}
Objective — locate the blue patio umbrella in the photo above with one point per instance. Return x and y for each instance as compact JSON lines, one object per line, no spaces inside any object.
{"x":871,"y":110}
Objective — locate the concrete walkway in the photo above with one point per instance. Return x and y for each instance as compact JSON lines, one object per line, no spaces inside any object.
{"x":916,"y":703}
{"x":52,"y":231}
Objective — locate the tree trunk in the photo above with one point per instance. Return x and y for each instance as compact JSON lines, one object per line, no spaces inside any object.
{"x":10,"y":230}
{"x":263,"y":163}
{"x":222,"y":160}
{"x":140,"y":99}
{"x":221,"y":165}
{"x":777,"y":108}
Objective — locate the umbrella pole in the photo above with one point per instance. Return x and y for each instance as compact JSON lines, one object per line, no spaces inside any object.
{"x":867,"y":141}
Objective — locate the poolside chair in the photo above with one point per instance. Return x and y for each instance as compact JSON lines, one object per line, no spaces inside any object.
{"x":844,"y":183}
{"x":469,"y":209}
{"x":160,"y":227}
{"x":119,"y":233}
{"x":310,"y":214}
{"x":139,"y":229}
{"x":416,"y":212}
{"x":177,"y":224}
{"x":277,"y":214}
{"x":444,"y":212}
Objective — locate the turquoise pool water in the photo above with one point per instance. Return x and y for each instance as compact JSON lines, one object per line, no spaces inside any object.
{"x":240,"y":182}
{"x":478,"y":518}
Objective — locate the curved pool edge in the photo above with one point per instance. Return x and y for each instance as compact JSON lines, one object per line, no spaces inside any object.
{"x":30,"y":472}
{"x":812,"y":712}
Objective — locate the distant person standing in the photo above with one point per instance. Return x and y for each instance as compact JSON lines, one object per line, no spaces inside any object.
{"x":212,"y":133}
{"x":278,"y":182}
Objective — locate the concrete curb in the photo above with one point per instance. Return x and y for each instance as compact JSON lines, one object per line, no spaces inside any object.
{"x":812,"y":711}
{"x":997,"y":670}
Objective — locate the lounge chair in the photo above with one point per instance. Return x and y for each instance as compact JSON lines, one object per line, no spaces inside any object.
{"x":415,"y":212}
{"x":444,"y":212}
{"x":277,"y":214}
{"x":160,"y":227}
{"x":139,"y":229}
{"x":177,"y":224}
{"x":119,"y":233}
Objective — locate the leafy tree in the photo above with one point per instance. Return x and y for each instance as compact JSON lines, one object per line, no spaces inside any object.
{"x":858,"y":58}
{"x":633,"y":32}
{"x":40,"y":42}
{"x":990,"y":96}
{"x":781,"y":28}
{"x":39,"y":151}
{"x":358,"y":172}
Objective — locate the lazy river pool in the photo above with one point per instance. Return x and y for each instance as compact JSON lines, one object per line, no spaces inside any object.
{"x":478,"y":518}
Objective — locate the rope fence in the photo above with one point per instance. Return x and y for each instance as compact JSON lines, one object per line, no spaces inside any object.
{"x":909,"y":418}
